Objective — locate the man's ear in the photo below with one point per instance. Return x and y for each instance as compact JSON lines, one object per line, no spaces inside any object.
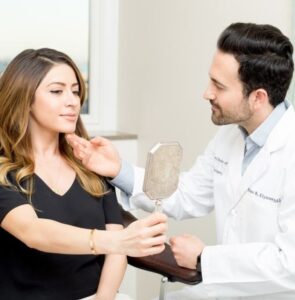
{"x":259,"y":98}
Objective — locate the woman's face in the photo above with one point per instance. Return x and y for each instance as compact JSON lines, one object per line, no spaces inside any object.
{"x":57,"y":103}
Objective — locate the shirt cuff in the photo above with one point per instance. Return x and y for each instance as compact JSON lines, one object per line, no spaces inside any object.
{"x":125,"y":179}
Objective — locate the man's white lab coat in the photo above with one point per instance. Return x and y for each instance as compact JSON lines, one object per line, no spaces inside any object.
{"x":255,"y":214}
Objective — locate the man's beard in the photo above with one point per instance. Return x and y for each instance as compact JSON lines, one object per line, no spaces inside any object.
{"x":221,"y":117}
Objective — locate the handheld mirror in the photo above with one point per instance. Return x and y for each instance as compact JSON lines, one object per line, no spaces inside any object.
{"x":162,"y":171}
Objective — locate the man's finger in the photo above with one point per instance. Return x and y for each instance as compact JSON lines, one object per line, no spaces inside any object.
{"x":99,"y":141}
{"x":172,"y":240}
{"x":75,"y":139}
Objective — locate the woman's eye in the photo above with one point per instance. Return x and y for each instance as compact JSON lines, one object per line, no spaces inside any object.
{"x":76,"y":93}
{"x":56,"y":91}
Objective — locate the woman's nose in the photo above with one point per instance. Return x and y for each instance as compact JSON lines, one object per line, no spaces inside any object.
{"x":72,"y":99}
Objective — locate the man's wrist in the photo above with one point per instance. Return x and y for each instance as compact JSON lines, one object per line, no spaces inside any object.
{"x":199,"y":263}
{"x":125,"y":179}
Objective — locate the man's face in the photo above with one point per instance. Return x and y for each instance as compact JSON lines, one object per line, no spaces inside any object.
{"x":225,"y":92}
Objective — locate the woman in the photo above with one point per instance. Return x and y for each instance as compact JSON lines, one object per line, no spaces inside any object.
{"x":53,"y":211}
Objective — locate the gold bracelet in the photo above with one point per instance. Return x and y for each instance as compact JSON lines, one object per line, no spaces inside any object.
{"x":91,"y":242}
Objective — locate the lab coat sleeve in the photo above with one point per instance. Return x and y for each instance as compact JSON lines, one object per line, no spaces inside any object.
{"x":194,"y":196}
{"x":137,"y":199}
{"x":250,"y":269}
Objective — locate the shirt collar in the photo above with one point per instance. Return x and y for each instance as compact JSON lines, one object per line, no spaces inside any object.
{"x":261,"y":133}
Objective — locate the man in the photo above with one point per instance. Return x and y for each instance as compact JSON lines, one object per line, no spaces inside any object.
{"x":246,"y":174}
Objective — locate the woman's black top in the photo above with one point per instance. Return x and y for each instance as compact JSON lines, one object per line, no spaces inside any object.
{"x":29,"y":274}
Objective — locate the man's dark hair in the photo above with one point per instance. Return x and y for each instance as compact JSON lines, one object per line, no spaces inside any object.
{"x":264,"y":55}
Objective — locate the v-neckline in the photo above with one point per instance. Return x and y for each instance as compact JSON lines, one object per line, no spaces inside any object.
{"x":52,"y":191}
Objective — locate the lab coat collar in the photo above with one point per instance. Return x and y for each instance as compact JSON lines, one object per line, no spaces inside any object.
{"x":281,"y":132}
{"x":260,"y":134}
{"x":254,"y":171}
{"x":276,"y":140}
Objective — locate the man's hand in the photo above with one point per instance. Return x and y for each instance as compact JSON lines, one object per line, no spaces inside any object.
{"x":186,"y":248}
{"x":98,"y":155}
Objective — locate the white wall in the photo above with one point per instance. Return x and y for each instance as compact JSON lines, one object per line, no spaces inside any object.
{"x":165,"y":50}
{"x":128,"y":149}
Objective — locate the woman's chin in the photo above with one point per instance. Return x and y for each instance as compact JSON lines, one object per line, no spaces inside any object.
{"x":68,"y":130}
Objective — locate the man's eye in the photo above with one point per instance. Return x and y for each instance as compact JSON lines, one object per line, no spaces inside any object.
{"x":219,"y":87}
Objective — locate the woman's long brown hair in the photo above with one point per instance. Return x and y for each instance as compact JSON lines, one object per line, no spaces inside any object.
{"x":18,"y":85}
